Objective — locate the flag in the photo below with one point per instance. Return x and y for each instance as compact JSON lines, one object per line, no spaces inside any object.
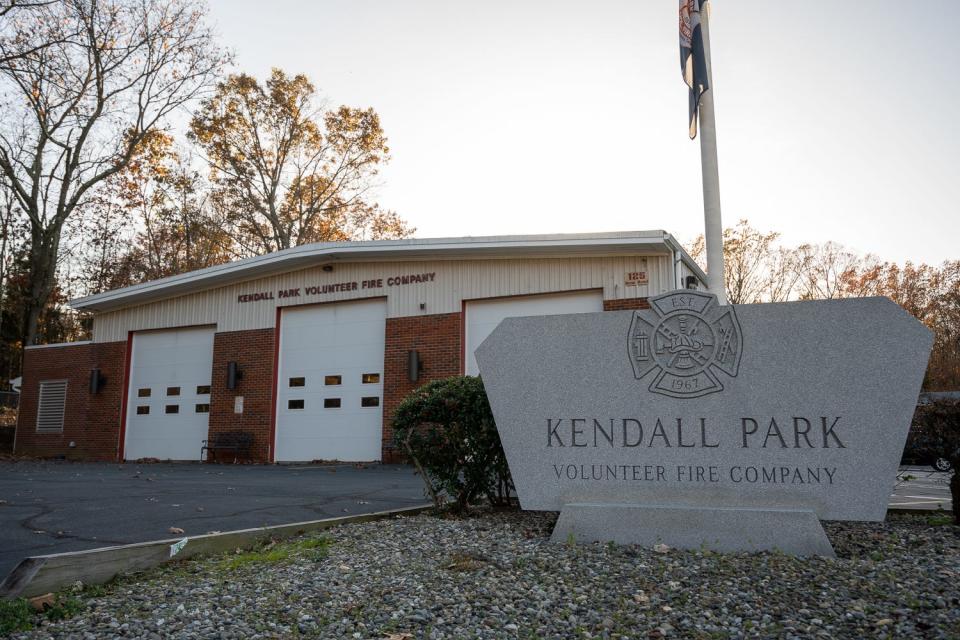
{"x":693,"y":61}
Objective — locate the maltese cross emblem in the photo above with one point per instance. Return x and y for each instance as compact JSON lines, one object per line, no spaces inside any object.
{"x":685,"y":338}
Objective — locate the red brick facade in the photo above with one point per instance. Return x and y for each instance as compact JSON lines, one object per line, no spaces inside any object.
{"x":253,"y":351}
{"x":438,"y":339}
{"x":90,"y":421}
{"x":626,"y":304}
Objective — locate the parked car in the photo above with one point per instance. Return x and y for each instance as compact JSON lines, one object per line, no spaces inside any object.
{"x":924,"y":449}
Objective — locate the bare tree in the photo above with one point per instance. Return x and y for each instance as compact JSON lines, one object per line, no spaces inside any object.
{"x":9,"y":236}
{"x":15,"y":17}
{"x":785,"y":268}
{"x":76,"y":107}
{"x":756,"y":270}
{"x":831,"y":271}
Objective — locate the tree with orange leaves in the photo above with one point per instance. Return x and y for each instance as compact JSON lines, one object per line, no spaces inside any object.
{"x":284,"y":172}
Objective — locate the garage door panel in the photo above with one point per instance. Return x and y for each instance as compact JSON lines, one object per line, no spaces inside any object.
{"x":483,"y":316}
{"x":341,"y":448}
{"x":343,"y":339}
{"x":175,"y":366}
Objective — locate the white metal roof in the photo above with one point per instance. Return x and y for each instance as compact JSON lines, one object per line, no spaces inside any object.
{"x":308,"y":255}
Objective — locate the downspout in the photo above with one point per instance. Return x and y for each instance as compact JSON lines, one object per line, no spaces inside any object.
{"x":677,"y":258}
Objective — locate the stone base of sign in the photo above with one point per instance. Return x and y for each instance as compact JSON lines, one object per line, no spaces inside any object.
{"x":792,"y":531}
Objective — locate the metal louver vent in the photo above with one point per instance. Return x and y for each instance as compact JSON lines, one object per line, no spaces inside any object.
{"x":51,"y":406}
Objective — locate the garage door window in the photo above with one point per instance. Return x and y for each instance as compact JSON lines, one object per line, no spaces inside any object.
{"x":143,"y":393}
{"x":370,"y":401}
{"x":143,"y":410}
{"x":331,"y":403}
{"x":202,"y":408}
{"x":173,"y":391}
{"x":295,"y":404}
{"x":298,"y":382}
{"x":332,"y":380}
{"x":203,"y":390}
{"x":370,"y":378}
{"x":172,"y":408}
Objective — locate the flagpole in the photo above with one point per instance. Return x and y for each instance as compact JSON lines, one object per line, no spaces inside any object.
{"x":713,"y":226}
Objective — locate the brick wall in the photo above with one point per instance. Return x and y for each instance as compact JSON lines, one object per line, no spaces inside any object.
{"x":437,"y":338}
{"x":626,"y":305}
{"x":92,"y":422}
{"x":253,"y":351}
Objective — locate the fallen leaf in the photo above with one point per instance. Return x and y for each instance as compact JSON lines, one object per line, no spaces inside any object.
{"x":398,"y":636}
{"x":661,"y":548}
{"x":39,"y":603}
{"x":175,"y":530}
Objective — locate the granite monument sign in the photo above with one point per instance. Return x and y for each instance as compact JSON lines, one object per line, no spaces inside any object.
{"x":693,"y":424}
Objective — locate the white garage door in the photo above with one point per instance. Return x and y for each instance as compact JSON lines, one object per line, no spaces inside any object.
{"x":483,"y":316}
{"x":168,"y":401}
{"x":330,"y":382}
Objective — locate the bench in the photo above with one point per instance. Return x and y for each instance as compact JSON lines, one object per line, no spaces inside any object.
{"x":239,"y":442}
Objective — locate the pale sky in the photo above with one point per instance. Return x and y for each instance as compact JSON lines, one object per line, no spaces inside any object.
{"x":836,"y":120}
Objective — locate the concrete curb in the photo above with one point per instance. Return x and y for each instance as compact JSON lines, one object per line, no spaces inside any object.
{"x":918,"y":512}
{"x":37,"y":575}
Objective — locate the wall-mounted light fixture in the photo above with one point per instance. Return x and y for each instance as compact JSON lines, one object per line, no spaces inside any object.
{"x":97,"y":381}
{"x":327,"y":268}
{"x":691,"y":282}
{"x":234,"y":375}
{"x":414,"y":365}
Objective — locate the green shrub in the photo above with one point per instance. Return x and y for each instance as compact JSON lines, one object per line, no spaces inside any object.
{"x":447,"y":429}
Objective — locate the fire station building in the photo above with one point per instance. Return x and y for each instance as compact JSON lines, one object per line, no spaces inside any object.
{"x":310,"y":350}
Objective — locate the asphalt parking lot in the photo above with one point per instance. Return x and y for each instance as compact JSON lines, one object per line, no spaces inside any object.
{"x":921,"y":488}
{"x":51,"y":507}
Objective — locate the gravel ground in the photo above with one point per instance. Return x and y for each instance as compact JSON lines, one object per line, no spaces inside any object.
{"x":497,"y":576}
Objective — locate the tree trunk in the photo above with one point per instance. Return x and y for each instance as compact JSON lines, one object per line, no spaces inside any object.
{"x":44,"y":250}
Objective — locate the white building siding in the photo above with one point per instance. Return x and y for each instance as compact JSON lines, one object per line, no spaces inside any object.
{"x":453,"y":282}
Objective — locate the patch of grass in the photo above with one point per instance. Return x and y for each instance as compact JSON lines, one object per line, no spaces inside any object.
{"x":98,"y":590}
{"x":313,"y":548}
{"x":939,"y":520}
{"x":64,"y":607}
{"x":462,"y":562}
{"x":18,"y":615}
{"x":15,"y":615}
{"x":311,"y":543}
{"x":273,"y":552}
{"x":266,"y":555}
